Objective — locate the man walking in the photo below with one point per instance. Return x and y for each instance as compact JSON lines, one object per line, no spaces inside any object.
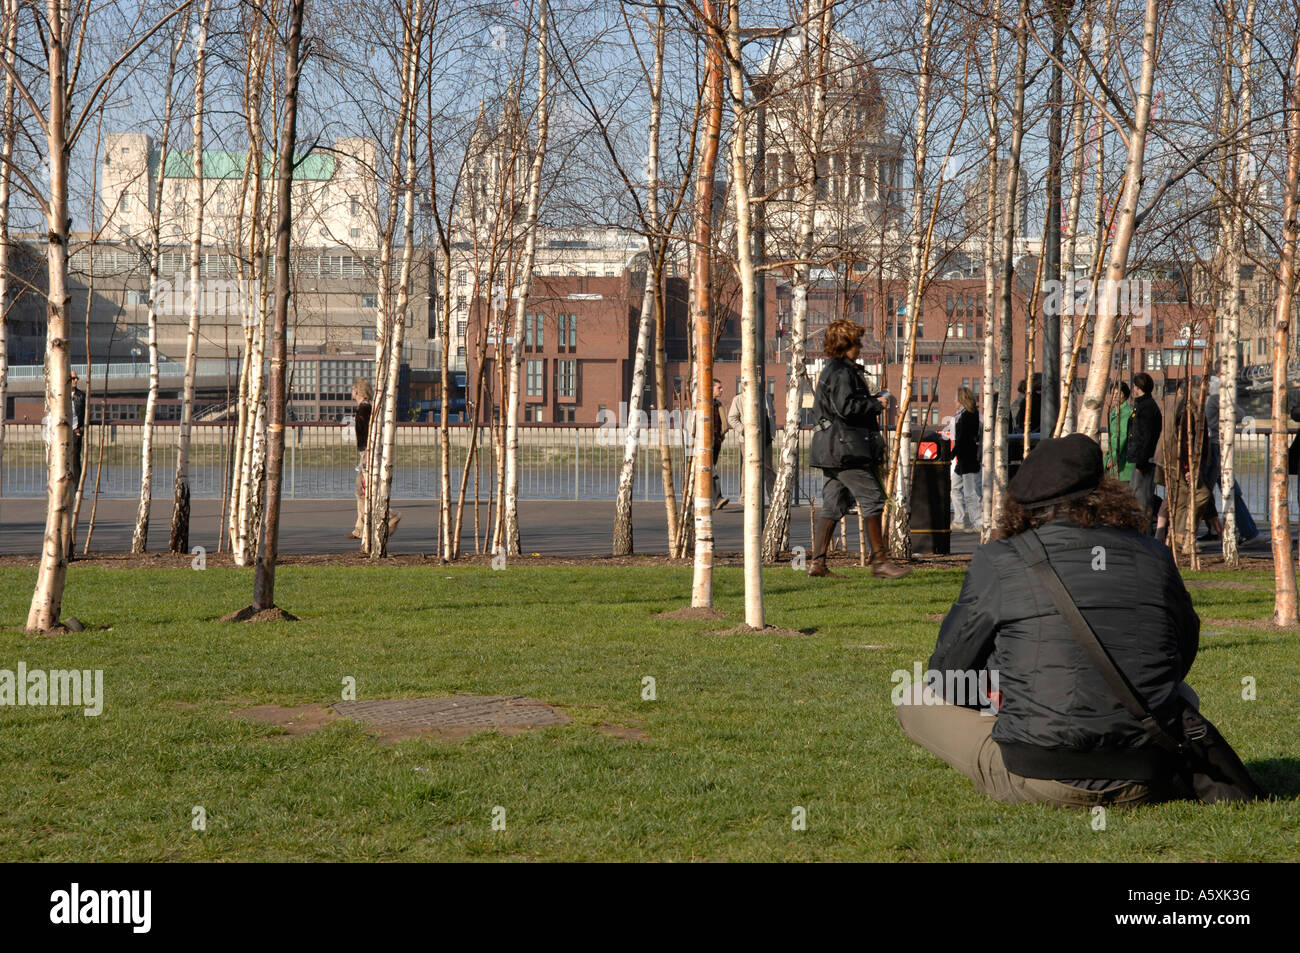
{"x":78,"y":427}
{"x":736,"y":421}
{"x":1143,"y":434}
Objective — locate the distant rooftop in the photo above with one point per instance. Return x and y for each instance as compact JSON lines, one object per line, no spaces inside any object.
{"x":315,"y":166}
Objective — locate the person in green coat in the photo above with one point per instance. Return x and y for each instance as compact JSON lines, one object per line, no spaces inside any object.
{"x":1118,"y":465}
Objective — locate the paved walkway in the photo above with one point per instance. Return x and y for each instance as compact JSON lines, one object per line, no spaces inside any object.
{"x":564,"y":528}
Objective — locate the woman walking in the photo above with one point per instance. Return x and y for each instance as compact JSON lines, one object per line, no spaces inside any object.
{"x":848,"y":447}
{"x":966,"y":452}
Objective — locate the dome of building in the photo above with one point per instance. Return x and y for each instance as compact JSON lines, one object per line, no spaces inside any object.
{"x":853,"y":86}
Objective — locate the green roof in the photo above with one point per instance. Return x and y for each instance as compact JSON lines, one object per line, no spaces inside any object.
{"x":314,"y":167}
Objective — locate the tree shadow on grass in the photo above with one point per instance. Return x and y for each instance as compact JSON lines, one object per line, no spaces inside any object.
{"x":1280,"y":777}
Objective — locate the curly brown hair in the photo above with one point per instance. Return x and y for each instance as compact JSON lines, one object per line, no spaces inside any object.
{"x":1111,"y":504}
{"x":841,"y":335}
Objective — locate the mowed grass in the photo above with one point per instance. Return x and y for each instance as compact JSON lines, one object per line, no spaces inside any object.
{"x":744,"y":729}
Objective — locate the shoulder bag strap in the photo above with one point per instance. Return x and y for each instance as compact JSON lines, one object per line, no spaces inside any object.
{"x":1031,"y":550}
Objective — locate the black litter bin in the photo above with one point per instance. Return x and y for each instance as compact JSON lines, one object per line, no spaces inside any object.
{"x":931,"y":523}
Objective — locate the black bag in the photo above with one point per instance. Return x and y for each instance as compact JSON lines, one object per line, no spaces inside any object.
{"x":851,"y":447}
{"x":1199,"y":753}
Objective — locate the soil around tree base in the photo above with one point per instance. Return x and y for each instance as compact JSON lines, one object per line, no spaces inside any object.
{"x":253,"y":614}
{"x":746,"y":629}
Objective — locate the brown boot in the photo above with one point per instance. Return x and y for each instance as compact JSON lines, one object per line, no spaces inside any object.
{"x":821,"y":542}
{"x":881,"y":567}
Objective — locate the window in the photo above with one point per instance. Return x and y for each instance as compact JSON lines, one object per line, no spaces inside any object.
{"x":124,"y":202}
{"x":568,"y":336}
{"x":370,"y":301}
{"x":566,"y":378}
{"x":356,"y":207}
{"x":534,"y":379}
{"x":568,"y":414}
{"x":367,"y":334}
{"x":324,"y":233}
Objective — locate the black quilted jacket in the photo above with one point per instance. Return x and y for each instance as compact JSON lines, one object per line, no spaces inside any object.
{"x":1058,"y":717}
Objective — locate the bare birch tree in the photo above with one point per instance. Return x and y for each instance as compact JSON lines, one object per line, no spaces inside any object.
{"x":180,"y":532}
{"x":510,"y":503}
{"x":264,"y":574}
{"x":140,"y":535}
{"x":8,"y":133}
{"x":1135,"y":133}
{"x":61,"y":32}
{"x":701,"y":306}
{"x":812,"y":61}
{"x":1284,"y":579}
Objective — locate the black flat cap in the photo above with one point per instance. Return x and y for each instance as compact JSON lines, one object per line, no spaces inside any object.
{"x":1057,"y":470}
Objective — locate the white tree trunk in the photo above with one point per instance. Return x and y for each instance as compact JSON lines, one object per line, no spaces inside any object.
{"x":140,"y":536}
{"x":900,"y":537}
{"x":623,"y":537}
{"x":751,"y":347}
{"x":180,"y":533}
{"x":1284,"y":580}
{"x":776,"y":534}
{"x":47,"y":598}
{"x":1104,"y":329}
{"x":510,"y":503}
{"x":8,"y":131}
{"x":989,"y":409}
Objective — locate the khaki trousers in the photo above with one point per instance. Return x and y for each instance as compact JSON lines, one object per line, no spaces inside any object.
{"x":962,"y":737}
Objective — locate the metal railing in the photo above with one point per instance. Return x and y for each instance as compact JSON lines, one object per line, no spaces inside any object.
{"x":136,"y":370}
{"x":555,"y":462}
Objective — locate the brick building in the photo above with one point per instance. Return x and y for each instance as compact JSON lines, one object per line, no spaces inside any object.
{"x":580,"y":341}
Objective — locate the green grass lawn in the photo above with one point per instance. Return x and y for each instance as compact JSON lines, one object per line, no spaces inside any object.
{"x":744,"y":728}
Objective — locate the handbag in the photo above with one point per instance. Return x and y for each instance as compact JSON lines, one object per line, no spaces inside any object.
{"x":852,"y":446}
{"x":1200,"y":754}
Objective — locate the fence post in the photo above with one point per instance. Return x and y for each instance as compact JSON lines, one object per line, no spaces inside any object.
{"x":575,"y":463}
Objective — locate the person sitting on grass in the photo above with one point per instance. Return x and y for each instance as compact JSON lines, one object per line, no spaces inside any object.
{"x":1059,"y":735}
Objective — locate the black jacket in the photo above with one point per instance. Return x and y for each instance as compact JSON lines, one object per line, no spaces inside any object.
{"x":1143,"y":433}
{"x":966,"y":442}
{"x":79,"y":408}
{"x":843,"y":395}
{"x":362,"y":423}
{"x":1058,"y":717}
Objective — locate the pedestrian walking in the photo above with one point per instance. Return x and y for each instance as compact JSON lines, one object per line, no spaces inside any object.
{"x":848,"y":447}
{"x":966,"y":452}
{"x":362,"y":394}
